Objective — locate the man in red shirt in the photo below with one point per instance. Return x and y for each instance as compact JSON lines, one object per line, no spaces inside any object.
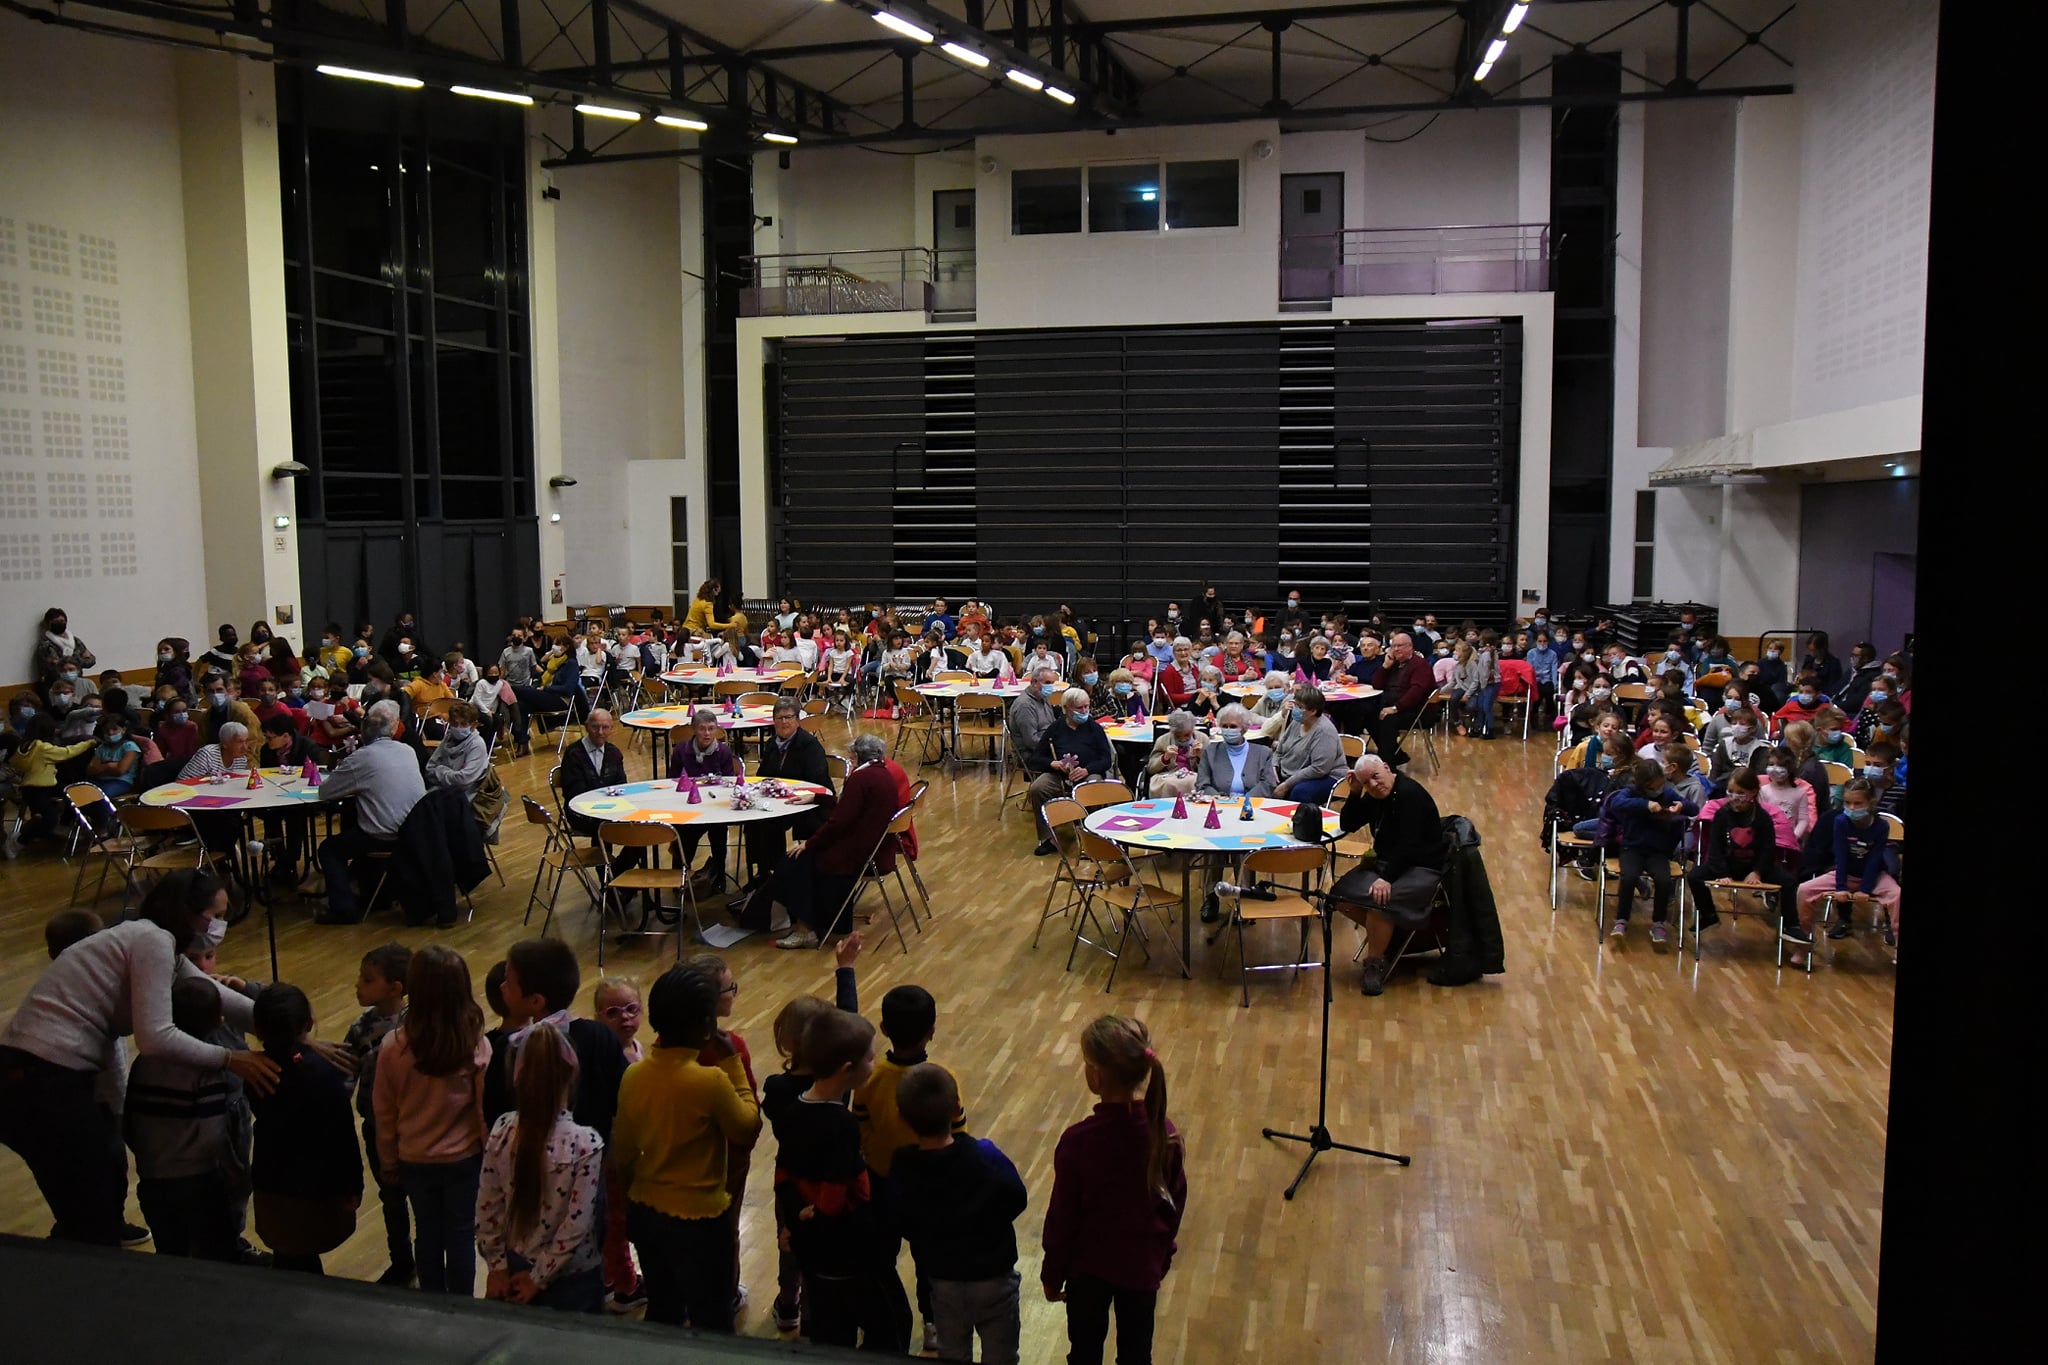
{"x":1406,"y":682}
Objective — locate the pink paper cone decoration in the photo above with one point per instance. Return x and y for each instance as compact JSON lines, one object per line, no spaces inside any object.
{"x":1212,"y":822}
{"x":1299,"y":675}
{"x":310,"y":774}
{"x":1180,"y":809}
{"x":696,"y":793}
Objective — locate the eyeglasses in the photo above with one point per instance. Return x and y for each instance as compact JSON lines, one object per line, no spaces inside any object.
{"x":733,"y":989}
{"x":622,"y":1012}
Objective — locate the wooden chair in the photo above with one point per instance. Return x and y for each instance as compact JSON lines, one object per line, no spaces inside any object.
{"x":916,"y":719}
{"x":651,"y":839}
{"x":872,"y":876}
{"x":1286,"y":905}
{"x":734,"y":687}
{"x":952,"y":675}
{"x":97,"y":831}
{"x":154,"y":844}
{"x":1103,"y":791}
{"x":917,"y":791}
{"x":435,"y":711}
{"x":985,"y":719}
{"x":1130,"y":897}
{"x":561,"y":855}
{"x":1837,"y":773}
{"x":1076,"y":870}
{"x":757,"y":698}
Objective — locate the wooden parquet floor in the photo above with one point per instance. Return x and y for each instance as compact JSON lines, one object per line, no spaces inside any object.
{"x":1619,"y":1154}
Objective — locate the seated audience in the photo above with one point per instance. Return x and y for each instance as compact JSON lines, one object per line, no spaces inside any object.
{"x":1394,"y":888}
{"x":1176,"y":752}
{"x":1308,"y":755}
{"x":384,"y":779}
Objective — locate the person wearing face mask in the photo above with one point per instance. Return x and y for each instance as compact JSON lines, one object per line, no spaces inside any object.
{"x":1117,"y":696}
{"x":173,"y":732}
{"x":1790,"y":794}
{"x":1831,"y":739}
{"x":58,"y":652}
{"x":116,"y":760}
{"x":1308,"y":756}
{"x":1175,"y":754}
{"x":334,"y":653}
{"x":35,"y":774}
{"x":1773,"y":672}
{"x":1742,"y":840}
{"x":461,"y":759}
{"x":218,"y":706}
{"x":1031,"y":719}
{"x":1806,"y":701}
{"x":1858,"y":836}
{"x":1043,"y":652}
{"x":403,"y":631}
{"x":106,"y":986}
{"x":1883,"y":719}
{"x":174,"y":666}
{"x":1740,"y":745}
{"x":1074,"y":750}
{"x":1233,"y":765}
{"x":330,"y":716}
{"x":270,"y":703}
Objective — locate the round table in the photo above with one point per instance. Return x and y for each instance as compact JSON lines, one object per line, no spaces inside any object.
{"x":706,"y":674}
{"x":1151,"y":825}
{"x":659,"y":803}
{"x":662,"y":719}
{"x":281,"y":790}
{"x":1330,"y":691}
{"x":980,"y":687}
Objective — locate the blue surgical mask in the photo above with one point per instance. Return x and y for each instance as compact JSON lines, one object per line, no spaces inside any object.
{"x":1079,"y":717}
{"x":1808,"y":700}
{"x":1860,"y":814}
{"x":362,"y":651}
{"x":1607,"y":760}
{"x":1873,"y":771}
{"x":1275,"y":693}
{"x":1879,"y":698}
{"x":1295,"y":713}
{"x":1830,"y":736}
{"x":1731,"y":703}
{"x":1124,"y":689}
{"x":1049,"y":691}
{"x":1038,"y":630}
{"x":458,"y":733}
{"x":1090,"y":678}
{"x":1233,"y":736}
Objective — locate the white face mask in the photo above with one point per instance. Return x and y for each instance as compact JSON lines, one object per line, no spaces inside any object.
{"x":216,"y":930}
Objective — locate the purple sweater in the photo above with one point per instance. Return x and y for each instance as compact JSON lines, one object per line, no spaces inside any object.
{"x":1102,"y":1220}
{"x":683,"y":759}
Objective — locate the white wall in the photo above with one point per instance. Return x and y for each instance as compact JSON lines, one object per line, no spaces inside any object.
{"x":1688,"y":205}
{"x":1080,"y":280}
{"x":1763,"y":260}
{"x":619,"y":302}
{"x":843,"y":199}
{"x":99,"y":460}
{"x":1866,"y":81}
{"x":1460,"y":169}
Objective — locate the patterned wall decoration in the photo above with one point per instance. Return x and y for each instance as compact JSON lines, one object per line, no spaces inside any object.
{"x":67,"y":485}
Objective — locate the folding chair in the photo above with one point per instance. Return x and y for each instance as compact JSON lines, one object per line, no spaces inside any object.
{"x":917,"y":719}
{"x":981,"y":718}
{"x":1424,"y":725}
{"x":1285,"y":905}
{"x":434,"y":712}
{"x":154,"y":845}
{"x":650,"y":838}
{"x":1075,"y":869}
{"x":99,"y":827}
{"x":917,"y":791}
{"x":559,"y":854}
{"x":871,"y":876}
{"x":1131,"y":896}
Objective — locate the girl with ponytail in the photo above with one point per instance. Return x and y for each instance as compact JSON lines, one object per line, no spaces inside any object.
{"x":1119,"y":1192}
{"x":539,"y":1219}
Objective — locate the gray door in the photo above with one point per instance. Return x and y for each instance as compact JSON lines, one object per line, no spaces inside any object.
{"x":1311,"y":228}
{"x":953,"y":251}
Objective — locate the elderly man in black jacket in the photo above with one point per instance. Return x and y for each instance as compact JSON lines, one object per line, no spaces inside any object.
{"x":1407,"y":864}
{"x":793,"y":754}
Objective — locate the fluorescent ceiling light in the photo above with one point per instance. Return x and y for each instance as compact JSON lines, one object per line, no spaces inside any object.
{"x":607,"y":111}
{"x":1514,"y":19}
{"x":964,"y":54}
{"x":381,"y":78}
{"x":687,"y":124}
{"x":784,"y":138}
{"x":1493,"y":51}
{"x":902,"y":26}
{"x":502,"y":96}
{"x":1149,"y":196}
{"x":1025,"y":79}
{"x":1485,"y":69}
{"x":1062,"y":96}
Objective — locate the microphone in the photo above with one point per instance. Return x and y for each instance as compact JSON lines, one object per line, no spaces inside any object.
{"x":1254,"y":893}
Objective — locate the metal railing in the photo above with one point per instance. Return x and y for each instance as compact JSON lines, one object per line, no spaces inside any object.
{"x":1499,"y":258}
{"x":823,"y":283}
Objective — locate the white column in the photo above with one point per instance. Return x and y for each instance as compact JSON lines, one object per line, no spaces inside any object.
{"x":241,"y":380}
{"x":1763,"y":262}
{"x":1759,"y":558}
{"x":690,"y":215}
{"x":545,"y":354}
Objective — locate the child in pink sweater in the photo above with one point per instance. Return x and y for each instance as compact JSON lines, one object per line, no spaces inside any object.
{"x":429,"y":1103}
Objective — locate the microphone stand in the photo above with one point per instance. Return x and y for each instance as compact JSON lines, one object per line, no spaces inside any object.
{"x":1318,"y":1137}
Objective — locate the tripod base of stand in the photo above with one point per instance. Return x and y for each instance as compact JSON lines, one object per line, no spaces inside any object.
{"x":1319,"y":1141}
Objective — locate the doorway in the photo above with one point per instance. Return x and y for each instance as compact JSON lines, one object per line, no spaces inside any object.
{"x":953,"y":253}
{"x":1311,"y":236}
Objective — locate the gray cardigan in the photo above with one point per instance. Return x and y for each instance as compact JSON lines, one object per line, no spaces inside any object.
{"x":1214,"y":777}
{"x":1311,"y":754}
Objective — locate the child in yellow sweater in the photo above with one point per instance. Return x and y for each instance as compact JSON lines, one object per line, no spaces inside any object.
{"x":677,"y":1118}
{"x":35,"y":774}
{"x":910,"y":1018}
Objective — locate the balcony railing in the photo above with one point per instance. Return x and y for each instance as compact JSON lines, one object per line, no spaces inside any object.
{"x":819,"y":284}
{"x":1501,"y":258}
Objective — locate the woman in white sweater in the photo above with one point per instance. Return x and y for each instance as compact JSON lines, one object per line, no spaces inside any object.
{"x":108,"y":986}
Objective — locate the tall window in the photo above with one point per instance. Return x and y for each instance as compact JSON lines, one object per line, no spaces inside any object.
{"x":405,"y":251}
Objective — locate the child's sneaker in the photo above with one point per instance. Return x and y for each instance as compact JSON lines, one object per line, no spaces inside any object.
{"x":786,"y":1315}
{"x":1660,"y":933}
{"x":1619,"y":929}
{"x":631,"y":1301}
